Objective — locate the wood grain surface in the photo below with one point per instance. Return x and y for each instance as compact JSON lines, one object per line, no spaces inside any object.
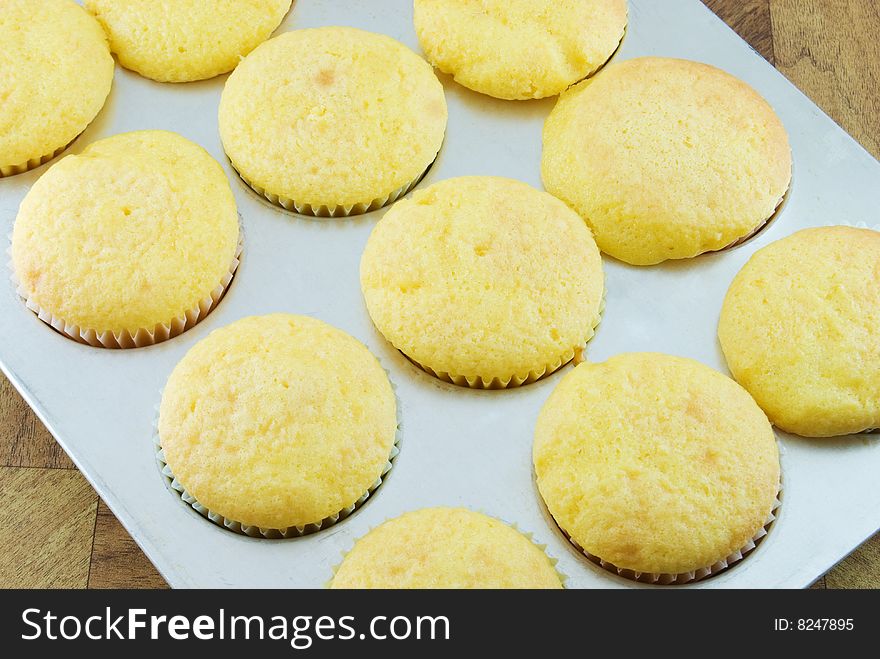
{"x":56,"y":533}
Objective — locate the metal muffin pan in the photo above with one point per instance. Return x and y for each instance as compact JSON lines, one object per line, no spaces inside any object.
{"x":459,"y":447}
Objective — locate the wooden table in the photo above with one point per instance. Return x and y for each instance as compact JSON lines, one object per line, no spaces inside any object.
{"x":56,"y":532}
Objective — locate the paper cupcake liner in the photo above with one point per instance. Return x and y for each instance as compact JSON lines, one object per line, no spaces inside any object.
{"x":330,"y":210}
{"x":860,"y":225}
{"x":665,"y":579}
{"x":125,"y":338}
{"x":258,"y":531}
{"x":517,"y":380}
{"x":263,"y":532}
{"x":754,"y":232}
{"x":554,"y":562}
{"x":33,"y":163}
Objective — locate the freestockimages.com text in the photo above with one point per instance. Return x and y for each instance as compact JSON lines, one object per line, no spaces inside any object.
{"x":299,"y":631}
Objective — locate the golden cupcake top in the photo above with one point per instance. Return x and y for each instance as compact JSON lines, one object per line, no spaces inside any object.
{"x":55,"y":74}
{"x":135,"y":231}
{"x":800,"y":329}
{"x":277,"y":421}
{"x":666,"y":159}
{"x":445,"y":548}
{"x":183,"y":40}
{"x":332,"y":116}
{"x":655,"y":463}
{"x":483,"y":279}
{"x":519,"y":49}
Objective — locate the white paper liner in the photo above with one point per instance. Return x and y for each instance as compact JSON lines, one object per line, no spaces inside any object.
{"x":517,"y":380}
{"x":33,"y":163}
{"x":554,"y":562}
{"x":665,"y":579}
{"x":271,"y":533}
{"x":329,"y":210}
{"x":860,"y":225}
{"x":758,"y":229}
{"x":124,"y":338}
{"x":599,"y":67}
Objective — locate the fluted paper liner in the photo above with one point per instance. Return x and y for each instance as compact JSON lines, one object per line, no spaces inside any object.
{"x":665,"y":579}
{"x":271,"y":533}
{"x":141,"y":337}
{"x":861,"y":225}
{"x":33,"y":163}
{"x":330,"y":210}
{"x":758,"y":229}
{"x":517,"y":380}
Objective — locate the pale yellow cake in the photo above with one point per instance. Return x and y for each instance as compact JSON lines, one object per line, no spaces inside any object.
{"x":55,"y":74}
{"x":184,"y":40}
{"x":134,"y":232}
{"x":278,"y":421}
{"x":666,"y":159}
{"x":800,"y":329}
{"x":655,"y":464}
{"x":483,"y":281}
{"x":519,"y":49}
{"x":332,"y":121}
{"x":445,"y":548}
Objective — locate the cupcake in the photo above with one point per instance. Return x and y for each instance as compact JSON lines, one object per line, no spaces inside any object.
{"x":666,"y":159}
{"x":800,"y":329}
{"x":184,"y":40}
{"x":129,"y":243}
{"x":519,"y":49}
{"x":332,"y":121}
{"x":55,"y":74}
{"x":657,"y":467}
{"x":483,"y":281}
{"x":277,"y":425}
{"x":445,"y":548}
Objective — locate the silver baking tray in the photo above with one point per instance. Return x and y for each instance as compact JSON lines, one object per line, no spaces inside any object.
{"x":459,"y":447}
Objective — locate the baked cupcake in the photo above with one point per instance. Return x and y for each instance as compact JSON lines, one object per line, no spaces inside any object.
{"x":666,"y":159}
{"x":519,"y":49}
{"x":332,"y":121}
{"x":657,"y":467}
{"x":184,"y":40}
{"x":800,"y":329}
{"x":277,"y":425}
{"x":445,"y":548}
{"x":483,"y":281}
{"x":55,"y":74}
{"x":128,"y":244}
